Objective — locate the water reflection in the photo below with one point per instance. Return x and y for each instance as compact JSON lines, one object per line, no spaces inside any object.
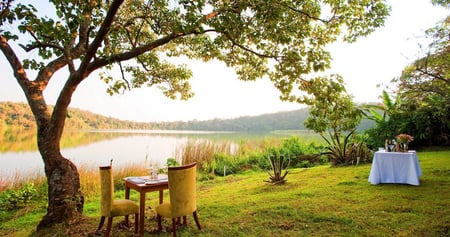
{"x":126,"y":150}
{"x":94,"y":148}
{"x":19,"y":155}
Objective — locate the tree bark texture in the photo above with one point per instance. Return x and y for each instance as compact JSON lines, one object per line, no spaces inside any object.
{"x":65,"y":204}
{"x":65,"y":199}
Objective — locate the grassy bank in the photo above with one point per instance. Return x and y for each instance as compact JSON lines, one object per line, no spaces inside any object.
{"x":318,"y":201}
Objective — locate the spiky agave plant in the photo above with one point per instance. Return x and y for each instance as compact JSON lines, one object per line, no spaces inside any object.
{"x":278,"y":164}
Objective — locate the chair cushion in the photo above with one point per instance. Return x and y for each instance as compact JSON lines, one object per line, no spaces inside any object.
{"x":124,"y":207}
{"x":164,"y":210}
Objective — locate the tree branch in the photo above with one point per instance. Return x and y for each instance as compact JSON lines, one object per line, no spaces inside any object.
{"x":123,"y":76}
{"x":96,"y":43}
{"x":4,"y":9}
{"x":60,"y":109}
{"x":32,"y":89}
{"x":16,"y":64}
{"x":132,"y":53}
{"x":308,"y":15}
{"x":39,"y":44}
{"x":247,"y":49}
{"x":433,"y":75}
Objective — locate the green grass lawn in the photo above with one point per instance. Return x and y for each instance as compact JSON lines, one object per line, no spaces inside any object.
{"x":318,"y":201}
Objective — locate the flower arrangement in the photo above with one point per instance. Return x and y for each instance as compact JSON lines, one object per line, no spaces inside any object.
{"x":404,"y":138}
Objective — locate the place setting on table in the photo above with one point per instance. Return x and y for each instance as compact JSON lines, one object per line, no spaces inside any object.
{"x":182,"y":194}
{"x":395,"y":163}
{"x":154,"y":181}
{"x":147,"y":180}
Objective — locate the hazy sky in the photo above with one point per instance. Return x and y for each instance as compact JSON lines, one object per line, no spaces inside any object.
{"x":219,"y":94}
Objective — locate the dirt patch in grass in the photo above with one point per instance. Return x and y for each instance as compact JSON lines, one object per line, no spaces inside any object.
{"x":87,"y":226}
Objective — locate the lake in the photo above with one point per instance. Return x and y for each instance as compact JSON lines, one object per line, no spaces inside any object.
{"x":19,"y":155}
{"x":123,"y":146}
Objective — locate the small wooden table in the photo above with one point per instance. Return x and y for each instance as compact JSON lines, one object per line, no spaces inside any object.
{"x":143,"y":184}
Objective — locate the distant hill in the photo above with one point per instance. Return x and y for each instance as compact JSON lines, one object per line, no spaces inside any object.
{"x":288,"y":120}
{"x":18,"y":115}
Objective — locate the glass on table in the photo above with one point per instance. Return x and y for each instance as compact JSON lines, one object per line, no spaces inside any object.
{"x":153,"y":171}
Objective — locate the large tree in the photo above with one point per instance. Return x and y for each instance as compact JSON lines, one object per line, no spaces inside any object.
{"x":284,"y":40}
{"x":430,"y":74}
{"x":424,"y":89}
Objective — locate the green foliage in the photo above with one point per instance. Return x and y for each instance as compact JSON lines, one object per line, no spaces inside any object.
{"x":288,"y":120}
{"x":279,"y":39}
{"x":338,"y":149}
{"x":19,"y":116}
{"x":300,"y":153}
{"x":340,"y":202}
{"x":224,"y":165}
{"x":349,"y":150}
{"x":257,"y":161}
{"x":443,"y":3}
{"x":331,"y":108}
{"x":280,"y":166}
{"x":13,"y":199}
{"x":172,"y":162}
{"x":361,"y":150}
{"x":381,"y":114}
{"x":216,"y":158}
{"x":419,"y":101}
{"x":333,"y":113}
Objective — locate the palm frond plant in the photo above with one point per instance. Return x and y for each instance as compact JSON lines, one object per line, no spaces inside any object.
{"x":338,"y":147}
{"x":280,"y":168}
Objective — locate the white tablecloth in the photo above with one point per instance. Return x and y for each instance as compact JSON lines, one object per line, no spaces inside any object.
{"x":395,"y":167}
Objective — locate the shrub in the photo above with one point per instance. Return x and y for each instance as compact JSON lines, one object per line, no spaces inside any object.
{"x":224,"y":165}
{"x":258,"y":161}
{"x":279,"y":162}
{"x":359,"y":153}
{"x":172,"y":162}
{"x":349,"y":152}
{"x":301,"y":154}
{"x":12,"y":199}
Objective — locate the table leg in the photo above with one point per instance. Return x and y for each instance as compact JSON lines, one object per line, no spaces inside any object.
{"x":141,"y":213}
{"x":127,"y":192}
{"x":127,"y":196}
{"x":161,"y":196}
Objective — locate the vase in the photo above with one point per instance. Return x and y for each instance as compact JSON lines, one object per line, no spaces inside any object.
{"x":404,"y":147}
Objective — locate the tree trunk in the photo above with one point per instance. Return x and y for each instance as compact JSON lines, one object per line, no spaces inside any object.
{"x":65,"y":199}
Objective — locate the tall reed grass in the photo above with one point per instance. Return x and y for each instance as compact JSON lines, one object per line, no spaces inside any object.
{"x":203,"y":151}
{"x":208,"y":155}
{"x":90,"y":177}
{"x":225,"y":157}
{"x":17,"y":180}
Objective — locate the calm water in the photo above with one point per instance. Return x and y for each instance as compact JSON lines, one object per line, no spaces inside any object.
{"x":138,"y":147}
{"x":91,"y":149}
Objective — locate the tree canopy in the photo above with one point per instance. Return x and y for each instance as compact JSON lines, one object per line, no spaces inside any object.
{"x":284,"y":40}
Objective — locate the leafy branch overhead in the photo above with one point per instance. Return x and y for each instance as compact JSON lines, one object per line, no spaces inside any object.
{"x":284,"y":40}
